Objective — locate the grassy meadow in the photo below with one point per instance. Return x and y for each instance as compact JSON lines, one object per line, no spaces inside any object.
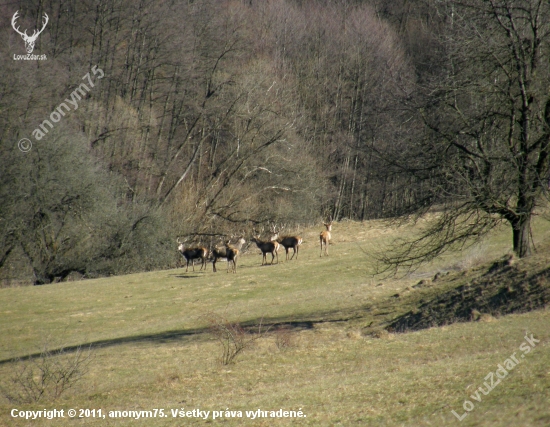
{"x":151,"y":346}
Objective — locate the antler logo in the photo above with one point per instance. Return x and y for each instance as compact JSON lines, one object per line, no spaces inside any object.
{"x":29,"y":40}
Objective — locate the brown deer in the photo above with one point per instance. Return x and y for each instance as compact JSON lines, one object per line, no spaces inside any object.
{"x":267,"y":247}
{"x":231,"y":254}
{"x":325,"y":237}
{"x":218,"y":253}
{"x":191,"y":254}
{"x":288,"y":242}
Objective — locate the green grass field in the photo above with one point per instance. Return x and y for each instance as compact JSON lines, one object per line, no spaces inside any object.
{"x":151,"y":348}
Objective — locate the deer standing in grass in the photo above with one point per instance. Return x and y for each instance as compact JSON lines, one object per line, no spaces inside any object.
{"x":287,"y":242}
{"x":325,"y":237}
{"x":191,"y":254}
{"x":231,"y":254}
{"x":228,"y":252}
{"x":267,"y":247}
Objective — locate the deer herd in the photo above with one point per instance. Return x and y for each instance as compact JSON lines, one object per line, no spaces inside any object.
{"x":230,"y":252}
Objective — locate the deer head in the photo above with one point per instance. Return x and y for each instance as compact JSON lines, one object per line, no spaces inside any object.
{"x":29,"y":40}
{"x":181,"y":244}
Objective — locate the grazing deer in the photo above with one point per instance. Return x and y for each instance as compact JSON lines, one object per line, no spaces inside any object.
{"x":267,"y":247}
{"x":218,"y":253}
{"x":288,"y":242}
{"x":325,"y":237}
{"x":191,"y":254}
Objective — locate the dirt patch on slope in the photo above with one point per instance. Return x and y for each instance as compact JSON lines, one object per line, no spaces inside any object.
{"x":504,"y":288}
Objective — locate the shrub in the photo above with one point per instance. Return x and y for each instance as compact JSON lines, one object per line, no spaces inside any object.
{"x":233,"y":338}
{"x":47,"y":376}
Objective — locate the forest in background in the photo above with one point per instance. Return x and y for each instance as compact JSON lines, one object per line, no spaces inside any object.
{"x":216,"y":118}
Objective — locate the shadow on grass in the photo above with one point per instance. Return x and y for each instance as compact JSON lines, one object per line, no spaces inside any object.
{"x":251,"y":326}
{"x":503,"y":289}
{"x":500,"y":290}
{"x":220,"y":268}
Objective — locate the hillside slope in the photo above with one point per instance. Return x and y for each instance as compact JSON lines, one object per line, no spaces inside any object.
{"x":323,"y":346}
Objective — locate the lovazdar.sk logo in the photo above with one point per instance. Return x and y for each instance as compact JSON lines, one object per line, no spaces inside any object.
{"x":29,"y":40}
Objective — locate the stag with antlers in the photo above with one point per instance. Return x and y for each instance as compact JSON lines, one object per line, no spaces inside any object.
{"x":267,"y":247}
{"x":29,"y":40}
{"x":191,"y":254}
{"x":287,"y":242}
{"x":229,"y":252}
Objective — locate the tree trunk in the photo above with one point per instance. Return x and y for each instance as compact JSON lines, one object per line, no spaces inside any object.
{"x":521,"y":229}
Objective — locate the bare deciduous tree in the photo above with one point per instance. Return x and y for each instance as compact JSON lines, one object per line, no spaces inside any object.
{"x":486,"y":140}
